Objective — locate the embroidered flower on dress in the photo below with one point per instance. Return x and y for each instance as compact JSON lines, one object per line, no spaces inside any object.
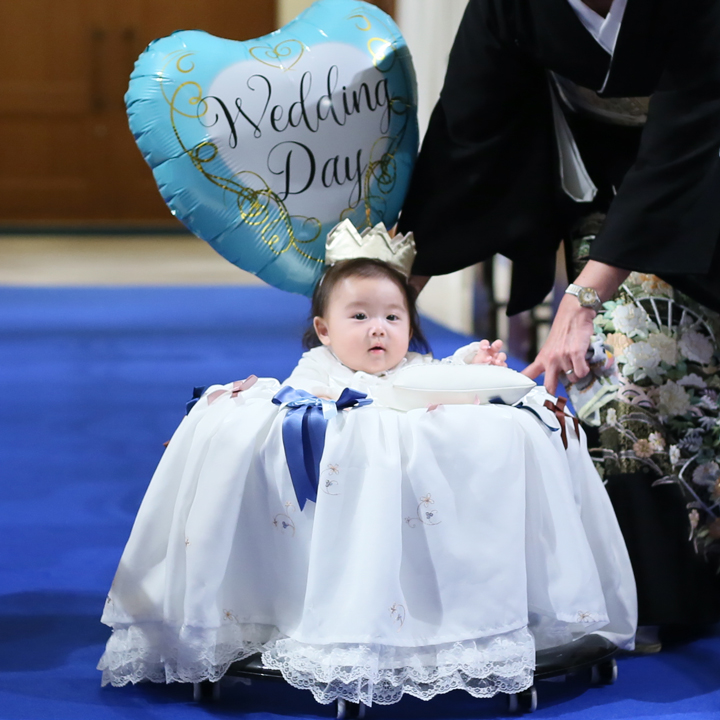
{"x":611,"y":416}
{"x":585,"y":617}
{"x":424,"y":513}
{"x":398,"y":614}
{"x":643,"y":448}
{"x":284,"y":522}
{"x":696,"y":347}
{"x":666,"y":347}
{"x":629,"y":319}
{"x":672,"y":399}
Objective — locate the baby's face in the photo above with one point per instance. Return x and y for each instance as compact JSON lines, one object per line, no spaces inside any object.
{"x":367,"y":324}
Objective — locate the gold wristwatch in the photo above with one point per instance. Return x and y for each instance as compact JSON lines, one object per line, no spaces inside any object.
{"x":587,"y":297}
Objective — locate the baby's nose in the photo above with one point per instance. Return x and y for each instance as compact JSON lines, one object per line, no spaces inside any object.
{"x":377,"y":329}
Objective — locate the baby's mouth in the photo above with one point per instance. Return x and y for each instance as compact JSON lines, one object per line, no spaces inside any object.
{"x":377,"y":349}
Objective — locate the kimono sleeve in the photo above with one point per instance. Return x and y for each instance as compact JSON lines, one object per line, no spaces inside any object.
{"x":665,"y":218}
{"x":484,"y":179}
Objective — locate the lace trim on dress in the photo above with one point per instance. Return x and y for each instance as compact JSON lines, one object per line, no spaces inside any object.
{"x":355,"y":672}
{"x":383,"y":674}
{"x":162,"y":654}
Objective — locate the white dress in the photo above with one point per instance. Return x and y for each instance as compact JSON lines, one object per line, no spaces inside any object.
{"x":445,"y":546}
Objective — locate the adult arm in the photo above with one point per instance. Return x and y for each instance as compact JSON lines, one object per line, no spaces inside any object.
{"x":569,"y":338}
{"x":665,"y":218}
{"x":484,"y":179}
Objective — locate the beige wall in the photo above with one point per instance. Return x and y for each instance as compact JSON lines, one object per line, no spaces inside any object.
{"x":289,"y":9}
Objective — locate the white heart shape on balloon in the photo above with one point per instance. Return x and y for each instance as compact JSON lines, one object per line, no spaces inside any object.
{"x":261,"y":147}
{"x":324,"y":134}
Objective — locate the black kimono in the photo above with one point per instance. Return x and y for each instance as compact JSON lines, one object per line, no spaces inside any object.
{"x":488,"y":181}
{"x":487,"y":178}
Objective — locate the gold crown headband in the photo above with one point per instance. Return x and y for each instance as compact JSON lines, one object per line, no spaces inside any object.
{"x":344,"y":242}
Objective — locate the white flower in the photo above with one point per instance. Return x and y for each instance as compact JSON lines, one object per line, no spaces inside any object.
{"x":641,"y":355}
{"x":692,"y":380}
{"x":629,"y":319}
{"x":696,"y":347}
{"x":672,"y":399}
{"x":706,"y":474}
{"x":657,"y":441}
{"x":674,"y":452}
{"x":666,"y":346}
{"x":611,"y":417}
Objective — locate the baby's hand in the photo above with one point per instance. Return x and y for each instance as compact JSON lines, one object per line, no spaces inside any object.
{"x":489,"y":354}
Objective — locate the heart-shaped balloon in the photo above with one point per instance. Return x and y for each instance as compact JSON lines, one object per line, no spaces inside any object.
{"x":261,"y":147}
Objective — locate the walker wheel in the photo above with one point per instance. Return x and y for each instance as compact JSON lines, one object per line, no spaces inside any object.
{"x":347,"y":710}
{"x":206,"y":691}
{"x":523,"y":702}
{"x":604,"y":673}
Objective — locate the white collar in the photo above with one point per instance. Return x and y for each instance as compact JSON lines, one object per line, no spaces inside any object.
{"x":383,"y":373}
{"x":605,"y":30}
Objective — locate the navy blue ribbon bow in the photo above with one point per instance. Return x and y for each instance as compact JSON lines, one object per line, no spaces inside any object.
{"x":303,"y":433}
{"x":197,"y":394}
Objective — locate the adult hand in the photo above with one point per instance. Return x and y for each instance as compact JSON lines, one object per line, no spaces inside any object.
{"x":564,"y":351}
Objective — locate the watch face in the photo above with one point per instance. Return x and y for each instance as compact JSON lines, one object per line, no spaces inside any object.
{"x":588,"y":297}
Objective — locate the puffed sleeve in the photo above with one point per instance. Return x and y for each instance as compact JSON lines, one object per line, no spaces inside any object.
{"x":312,"y":373}
{"x":665,"y":218}
{"x":484,"y":179}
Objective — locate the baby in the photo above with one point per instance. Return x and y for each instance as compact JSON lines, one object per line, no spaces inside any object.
{"x":364,"y":319}
{"x":363,"y":551}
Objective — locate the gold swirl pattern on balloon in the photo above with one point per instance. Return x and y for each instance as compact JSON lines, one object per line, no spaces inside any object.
{"x":359,"y":15}
{"x":382,"y":170}
{"x":255,"y":204}
{"x":281,"y":51}
{"x":381,"y":54}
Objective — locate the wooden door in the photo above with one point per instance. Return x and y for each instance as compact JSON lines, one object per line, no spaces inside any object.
{"x":67,"y":154}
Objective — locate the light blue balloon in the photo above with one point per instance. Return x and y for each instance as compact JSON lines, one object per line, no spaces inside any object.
{"x":261,"y":147}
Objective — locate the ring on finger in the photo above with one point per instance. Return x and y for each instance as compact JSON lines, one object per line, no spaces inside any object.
{"x":570,"y":372}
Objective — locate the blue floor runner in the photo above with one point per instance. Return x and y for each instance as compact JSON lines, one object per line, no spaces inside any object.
{"x":93,"y":381}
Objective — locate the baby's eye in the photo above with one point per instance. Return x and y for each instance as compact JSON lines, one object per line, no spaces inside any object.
{"x":360,"y":316}
{"x":392,"y":317}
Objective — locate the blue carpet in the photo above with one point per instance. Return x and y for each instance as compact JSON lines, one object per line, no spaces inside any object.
{"x":93,"y":381}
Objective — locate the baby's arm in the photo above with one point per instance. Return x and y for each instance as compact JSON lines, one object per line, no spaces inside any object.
{"x":478,"y":353}
{"x":490,"y":354}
